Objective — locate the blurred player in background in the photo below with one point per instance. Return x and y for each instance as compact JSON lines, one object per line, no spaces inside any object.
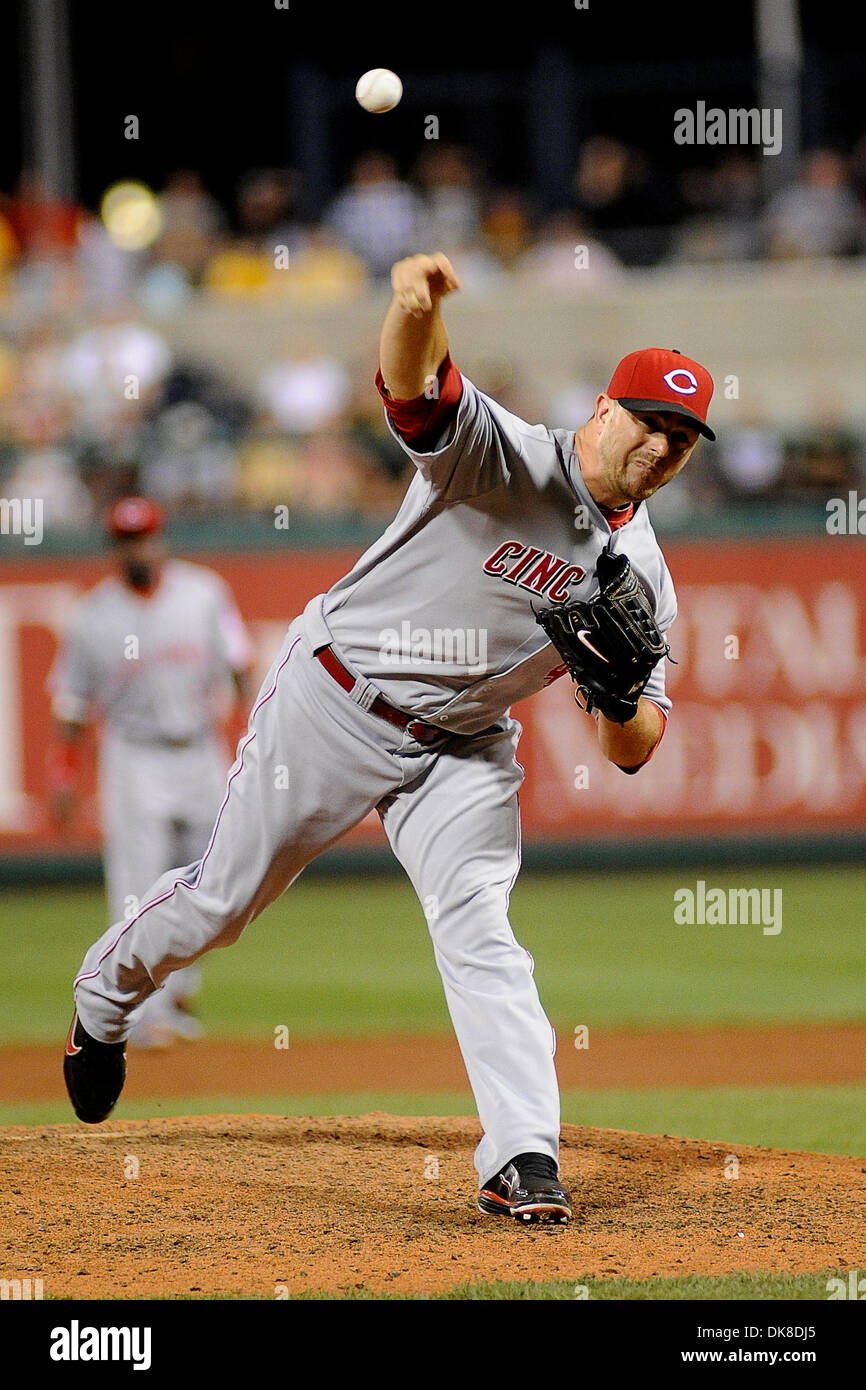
{"x":154,"y":653}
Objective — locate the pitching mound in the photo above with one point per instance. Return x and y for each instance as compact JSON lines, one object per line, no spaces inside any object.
{"x":242,"y":1204}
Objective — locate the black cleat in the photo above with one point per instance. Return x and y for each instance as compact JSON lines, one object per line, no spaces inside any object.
{"x":94,"y":1073}
{"x":527,"y":1188}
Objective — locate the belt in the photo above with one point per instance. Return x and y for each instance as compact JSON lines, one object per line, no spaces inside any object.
{"x":166,"y":740}
{"x":421,"y":732}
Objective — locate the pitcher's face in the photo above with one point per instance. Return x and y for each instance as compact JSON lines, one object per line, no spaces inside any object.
{"x":640,"y":450}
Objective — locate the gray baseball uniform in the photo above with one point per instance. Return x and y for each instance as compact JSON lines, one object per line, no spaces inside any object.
{"x":152,"y":670}
{"x":437,"y":617}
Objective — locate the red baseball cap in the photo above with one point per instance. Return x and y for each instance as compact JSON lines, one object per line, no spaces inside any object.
{"x":135,"y":516}
{"x":663,"y":379}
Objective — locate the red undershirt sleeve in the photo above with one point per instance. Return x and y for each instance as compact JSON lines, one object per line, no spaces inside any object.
{"x":423,"y":420}
{"x":63,"y":765}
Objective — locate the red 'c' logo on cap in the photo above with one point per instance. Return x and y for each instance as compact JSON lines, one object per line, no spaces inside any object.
{"x":683,"y":390}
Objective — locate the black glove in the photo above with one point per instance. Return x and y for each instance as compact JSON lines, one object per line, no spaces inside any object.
{"x":611,"y":644}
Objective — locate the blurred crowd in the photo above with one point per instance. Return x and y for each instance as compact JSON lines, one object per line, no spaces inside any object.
{"x":94,"y":403}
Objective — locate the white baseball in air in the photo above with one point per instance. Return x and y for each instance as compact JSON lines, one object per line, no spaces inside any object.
{"x":379,"y":90}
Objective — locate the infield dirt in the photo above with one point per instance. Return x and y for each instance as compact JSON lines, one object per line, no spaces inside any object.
{"x":737,"y":1055}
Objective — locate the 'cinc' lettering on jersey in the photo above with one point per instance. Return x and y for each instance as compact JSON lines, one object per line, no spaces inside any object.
{"x":537,"y":571}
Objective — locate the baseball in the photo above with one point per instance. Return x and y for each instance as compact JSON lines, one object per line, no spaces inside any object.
{"x":379,"y":90}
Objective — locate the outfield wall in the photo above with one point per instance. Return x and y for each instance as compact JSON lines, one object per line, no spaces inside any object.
{"x":766,"y":744}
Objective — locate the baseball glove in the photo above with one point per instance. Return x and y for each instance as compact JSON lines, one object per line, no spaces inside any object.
{"x":611,"y":643}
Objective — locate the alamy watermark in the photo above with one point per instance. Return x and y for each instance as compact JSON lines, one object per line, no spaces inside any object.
{"x":21,"y":1289}
{"x":77,"y":1343}
{"x":22,"y":516}
{"x":713,"y":907}
{"x":855,"y":1287}
{"x":846,"y":516}
{"x":737,"y":126}
{"x":457,"y":647}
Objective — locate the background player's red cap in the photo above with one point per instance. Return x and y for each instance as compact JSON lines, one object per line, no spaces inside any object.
{"x":663,"y":379}
{"x":135,"y":516}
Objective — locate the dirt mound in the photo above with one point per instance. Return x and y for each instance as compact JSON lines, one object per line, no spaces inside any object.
{"x":251,"y":1204}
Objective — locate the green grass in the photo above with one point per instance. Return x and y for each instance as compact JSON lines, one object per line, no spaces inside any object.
{"x":332,"y":1103}
{"x":827,"y":1119}
{"x":351,"y":956}
{"x":822,"y":1119}
{"x":692,"y":1288}
{"x":695,"y":1287}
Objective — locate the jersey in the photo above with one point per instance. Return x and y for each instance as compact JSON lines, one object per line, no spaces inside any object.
{"x":152,"y":667}
{"x":438,"y":613}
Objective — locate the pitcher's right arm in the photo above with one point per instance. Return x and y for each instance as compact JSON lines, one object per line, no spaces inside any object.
{"x":413,"y":342}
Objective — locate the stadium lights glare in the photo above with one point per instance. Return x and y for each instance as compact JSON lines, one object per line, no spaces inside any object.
{"x":131,"y":215}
